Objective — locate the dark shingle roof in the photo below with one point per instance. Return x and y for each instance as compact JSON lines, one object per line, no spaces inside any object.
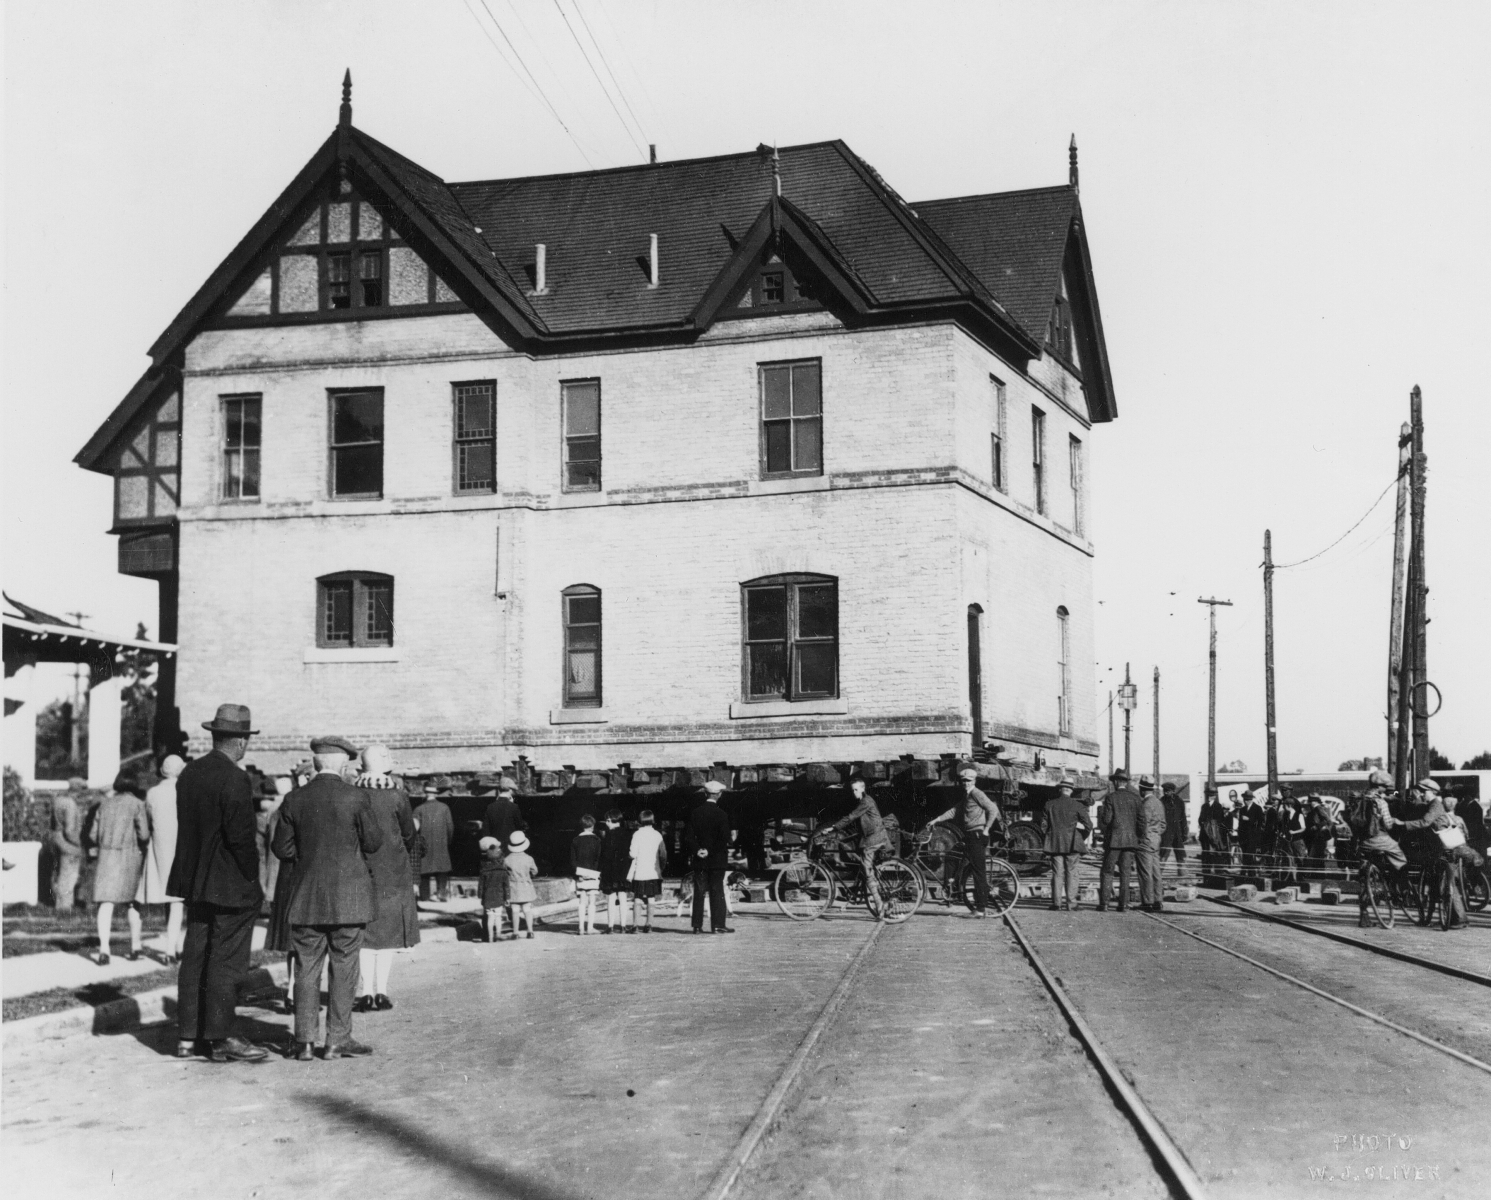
{"x":1013,"y":241}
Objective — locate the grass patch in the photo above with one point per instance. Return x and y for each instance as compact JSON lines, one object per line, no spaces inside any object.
{"x":91,"y":995}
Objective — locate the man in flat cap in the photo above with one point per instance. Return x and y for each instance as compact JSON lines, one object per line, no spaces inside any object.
{"x":216,"y":872}
{"x":1436,"y":818}
{"x":503,"y":819}
{"x":977,"y":815}
{"x":437,"y":828}
{"x":1120,"y":822}
{"x":328,"y":828}
{"x":1151,"y":833}
{"x":1067,"y":828}
{"x":1177,"y":828}
{"x":707,"y":839}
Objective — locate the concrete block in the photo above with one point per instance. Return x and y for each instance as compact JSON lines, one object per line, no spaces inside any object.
{"x":1242,"y":892}
{"x":1286,"y":895}
{"x":758,"y":893}
{"x":1184,"y":895}
{"x":1087,"y":893}
{"x":1330,"y":895}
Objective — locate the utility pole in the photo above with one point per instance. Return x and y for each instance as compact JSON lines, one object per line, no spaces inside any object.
{"x":1420,"y":593}
{"x":1110,"y":733}
{"x":1268,"y":661}
{"x":1128,"y":700}
{"x":1157,"y":727}
{"x":75,"y":754}
{"x":1211,"y":711}
{"x":1395,"y":619}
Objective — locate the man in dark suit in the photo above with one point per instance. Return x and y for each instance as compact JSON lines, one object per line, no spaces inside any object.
{"x":1253,"y":831}
{"x":1120,"y":825}
{"x":328,"y":828}
{"x":708,"y":842}
{"x":1067,"y":828}
{"x":502,"y":818}
{"x":216,"y":871}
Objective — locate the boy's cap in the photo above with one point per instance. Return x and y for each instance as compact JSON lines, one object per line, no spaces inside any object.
{"x":488,"y":843}
{"x":518,"y":840}
{"x":968,"y":773}
{"x":713,"y":786}
{"x":507,"y":784}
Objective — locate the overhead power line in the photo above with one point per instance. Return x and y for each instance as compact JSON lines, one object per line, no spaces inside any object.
{"x":594,"y":41}
{"x":626,"y":56}
{"x":1344,"y":536}
{"x":599,"y":82}
{"x":534,"y":89}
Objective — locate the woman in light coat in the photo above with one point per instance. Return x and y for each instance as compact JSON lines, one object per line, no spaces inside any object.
{"x":160,"y":806}
{"x":121,"y":831}
{"x":396,"y":927}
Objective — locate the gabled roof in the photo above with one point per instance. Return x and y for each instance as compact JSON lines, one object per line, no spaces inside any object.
{"x":991,"y":262}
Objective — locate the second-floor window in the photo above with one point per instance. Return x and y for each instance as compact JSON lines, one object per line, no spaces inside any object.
{"x":997,"y":437}
{"x":582,"y":646}
{"x":357,"y":443}
{"x":241,"y":447}
{"x":1064,"y":667}
{"x":581,"y":403}
{"x":1079,"y":517}
{"x":354,"y":608}
{"x":792,"y":418}
{"x":476,"y":436}
{"x":791,"y":637}
{"x":1038,"y":457}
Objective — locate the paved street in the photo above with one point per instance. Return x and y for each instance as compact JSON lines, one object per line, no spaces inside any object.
{"x":629,"y":1067}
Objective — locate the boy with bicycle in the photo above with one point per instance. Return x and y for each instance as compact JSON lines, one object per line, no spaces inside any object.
{"x":979,"y":815}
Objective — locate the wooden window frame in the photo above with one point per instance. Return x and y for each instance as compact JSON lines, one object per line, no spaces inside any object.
{"x":565,"y":437}
{"x":332,"y":396}
{"x":1038,"y":457}
{"x":166,"y":478}
{"x":582,"y":591}
{"x":790,"y":584}
{"x":225,"y":406}
{"x":1064,"y":666}
{"x":1079,"y":490}
{"x":458,"y":442}
{"x":359,"y":635}
{"x":792,"y":419}
{"x":999,"y":438}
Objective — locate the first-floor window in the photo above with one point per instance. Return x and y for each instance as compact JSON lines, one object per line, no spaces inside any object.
{"x":790,"y":637}
{"x":1064,"y":667}
{"x":354,"y":608}
{"x":582,"y":646}
{"x":241,"y":447}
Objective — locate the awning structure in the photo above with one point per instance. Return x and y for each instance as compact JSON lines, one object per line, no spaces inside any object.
{"x":33,"y":636}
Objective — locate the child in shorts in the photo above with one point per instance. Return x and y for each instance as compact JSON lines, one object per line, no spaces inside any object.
{"x":493,"y":886}
{"x":521,"y":870}
{"x":585,"y":857}
{"x":645,"y":877}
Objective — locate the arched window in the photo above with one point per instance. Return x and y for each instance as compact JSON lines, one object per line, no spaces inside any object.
{"x":1064,"y":665}
{"x":582,"y":646}
{"x":354,"y":608}
{"x":790,"y":637}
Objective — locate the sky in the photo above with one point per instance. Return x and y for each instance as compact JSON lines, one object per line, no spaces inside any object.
{"x":1280,"y":200}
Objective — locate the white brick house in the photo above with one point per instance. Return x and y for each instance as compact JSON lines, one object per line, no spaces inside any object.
{"x":674,"y":465}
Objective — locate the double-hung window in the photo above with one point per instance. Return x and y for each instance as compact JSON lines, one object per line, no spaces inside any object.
{"x":580,"y":401}
{"x":790,"y":637}
{"x":582,"y":646}
{"x":476,"y":436}
{"x":1079,"y":517}
{"x":1038,"y":457}
{"x":357,"y":443}
{"x":792,"y":418}
{"x":997,"y":437}
{"x":241,"y":447}
{"x":354,"y":608}
{"x":1064,"y":667}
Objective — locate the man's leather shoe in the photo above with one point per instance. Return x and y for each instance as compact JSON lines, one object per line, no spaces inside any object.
{"x":351,"y":1048}
{"x":696,"y":929}
{"x":722,"y":929}
{"x":305,"y":1052}
{"x":381,"y":1003}
{"x":363,"y":1004}
{"x":237,"y":1049}
{"x":1102,"y":908}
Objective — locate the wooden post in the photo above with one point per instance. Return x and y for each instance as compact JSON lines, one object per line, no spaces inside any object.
{"x":1211,"y":709}
{"x":1268,"y":661}
{"x":1418,"y":697}
{"x":1110,"y":733}
{"x":1395,"y":618}
{"x":1157,"y":727}
{"x":1127,"y":716}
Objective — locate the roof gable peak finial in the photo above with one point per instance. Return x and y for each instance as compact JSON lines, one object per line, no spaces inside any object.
{"x":346,"y":113}
{"x":1072,"y":163}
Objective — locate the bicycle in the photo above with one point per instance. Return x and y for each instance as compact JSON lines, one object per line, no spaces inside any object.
{"x":806,"y":888}
{"x":1477,"y":888}
{"x":957,"y":875}
{"x":1383,"y":891}
{"x":1437,"y":888}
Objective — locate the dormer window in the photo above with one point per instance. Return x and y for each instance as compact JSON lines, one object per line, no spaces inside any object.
{"x":776,"y":286}
{"x":773,"y":287}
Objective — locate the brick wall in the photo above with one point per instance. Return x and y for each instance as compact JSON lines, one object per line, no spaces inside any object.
{"x":902,"y":517}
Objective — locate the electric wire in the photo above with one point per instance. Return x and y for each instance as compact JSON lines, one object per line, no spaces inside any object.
{"x":636,"y":74}
{"x":538,"y":45}
{"x":599,"y":82}
{"x":533,"y":89}
{"x":1344,"y":536}
{"x":580,"y":12}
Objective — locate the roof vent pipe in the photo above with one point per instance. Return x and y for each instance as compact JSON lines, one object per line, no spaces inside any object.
{"x":652,"y":153}
{"x":652,"y":260}
{"x":540,"y":268}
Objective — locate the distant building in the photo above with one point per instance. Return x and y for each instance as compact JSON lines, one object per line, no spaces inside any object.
{"x":735,"y":460}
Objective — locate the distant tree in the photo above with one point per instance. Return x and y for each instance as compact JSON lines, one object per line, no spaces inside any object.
{"x":54,"y":741}
{"x":25,"y":820}
{"x":1438,"y":762}
{"x":1235,"y":767}
{"x":137,"y":722}
{"x":1361,"y":764}
{"x":1481,"y":762}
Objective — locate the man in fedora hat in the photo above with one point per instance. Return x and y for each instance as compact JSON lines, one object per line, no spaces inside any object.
{"x":502,"y":818}
{"x":1067,"y":828}
{"x":437,"y":828}
{"x":1151,"y":834}
{"x":708,"y":841}
{"x":329,"y":829}
{"x":216,"y":872}
{"x":1120,"y":822}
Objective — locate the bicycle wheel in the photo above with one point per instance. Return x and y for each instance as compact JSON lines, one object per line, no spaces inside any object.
{"x":1446,"y":895}
{"x":685,"y":896}
{"x":897,"y":892}
{"x":1004,"y":887}
{"x":803,"y":891}
{"x":1379,"y":897}
{"x":1426,"y":894}
{"x":1477,"y":889}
